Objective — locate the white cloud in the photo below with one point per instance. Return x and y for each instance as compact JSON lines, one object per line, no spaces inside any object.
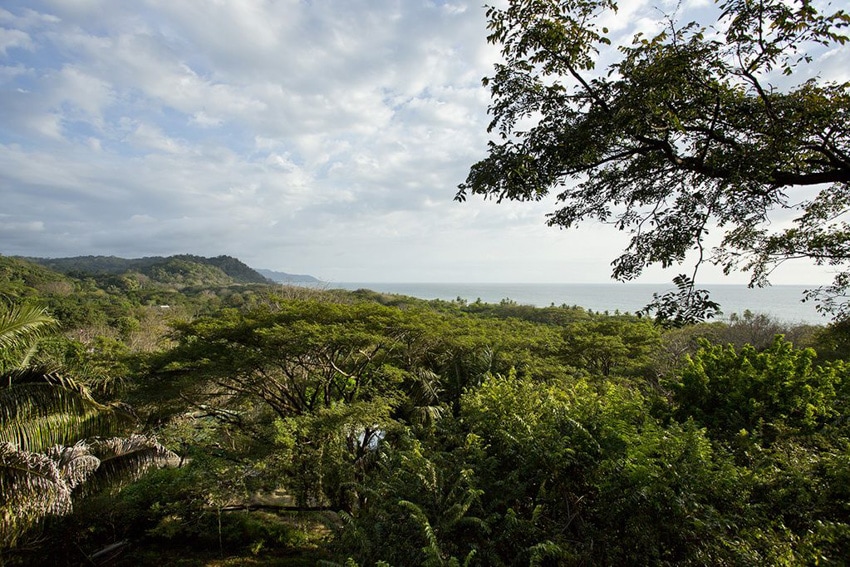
{"x":150,"y":137}
{"x":12,"y":226}
{"x":86,"y":95}
{"x":832,"y":64}
{"x":48,"y":125}
{"x":201,"y":118}
{"x":27,"y":19}
{"x":10,"y":72}
{"x":314,"y":137}
{"x":10,"y":39}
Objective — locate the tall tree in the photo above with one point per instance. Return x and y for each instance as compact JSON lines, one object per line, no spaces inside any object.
{"x":686,"y":130}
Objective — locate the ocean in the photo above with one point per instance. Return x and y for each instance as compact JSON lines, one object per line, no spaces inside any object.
{"x":782,"y":302}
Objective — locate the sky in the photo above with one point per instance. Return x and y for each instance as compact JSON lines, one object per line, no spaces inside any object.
{"x":306,"y":136}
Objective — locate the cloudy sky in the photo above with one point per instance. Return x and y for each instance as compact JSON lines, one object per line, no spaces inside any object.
{"x":321,"y":137}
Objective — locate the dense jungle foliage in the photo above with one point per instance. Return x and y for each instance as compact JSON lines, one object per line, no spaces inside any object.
{"x":301,"y":426}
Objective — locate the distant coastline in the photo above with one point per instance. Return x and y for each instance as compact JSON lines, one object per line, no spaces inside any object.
{"x":782,"y":302}
{"x":286,"y":278}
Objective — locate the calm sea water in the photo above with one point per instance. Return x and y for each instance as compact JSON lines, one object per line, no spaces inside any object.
{"x":783,"y":302}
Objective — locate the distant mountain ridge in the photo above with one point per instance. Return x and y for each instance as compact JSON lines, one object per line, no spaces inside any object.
{"x":283,"y":277}
{"x":182,"y":268}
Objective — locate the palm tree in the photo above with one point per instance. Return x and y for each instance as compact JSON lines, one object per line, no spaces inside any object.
{"x":54,"y":436}
{"x":20,"y":327}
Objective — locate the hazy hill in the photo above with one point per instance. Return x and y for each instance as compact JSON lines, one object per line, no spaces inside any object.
{"x":283,"y":277}
{"x":183,"y":270}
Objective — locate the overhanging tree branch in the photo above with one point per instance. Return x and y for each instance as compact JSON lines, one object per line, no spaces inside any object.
{"x":679,"y":116}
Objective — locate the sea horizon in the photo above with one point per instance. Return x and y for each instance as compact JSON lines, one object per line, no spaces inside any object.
{"x":782,"y":302}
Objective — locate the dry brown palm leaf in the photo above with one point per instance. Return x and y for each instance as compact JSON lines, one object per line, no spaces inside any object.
{"x":31,"y":487}
{"x":75,"y":463}
{"x":124,"y":459}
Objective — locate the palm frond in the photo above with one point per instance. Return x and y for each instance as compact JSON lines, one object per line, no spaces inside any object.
{"x":28,"y":354}
{"x":40,"y":409}
{"x":43,"y":375}
{"x":75,"y":463}
{"x":426,"y":388}
{"x":34,"y":485}
{"x":19,"y":324}
{"x":427,"y":416}
{"x":31,"y":487}
{"x":124,"y":459}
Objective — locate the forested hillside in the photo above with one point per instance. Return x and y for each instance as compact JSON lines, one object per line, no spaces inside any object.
{"x":183,"y":269}
{"x":290,"y":426}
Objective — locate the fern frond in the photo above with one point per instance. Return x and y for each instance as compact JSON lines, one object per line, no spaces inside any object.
{"x":544,"y":550}
{"x":432,"y":550}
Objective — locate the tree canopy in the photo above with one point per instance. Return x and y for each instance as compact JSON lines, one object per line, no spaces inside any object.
{"x":359,"y":428}
{"x":700,"y":125}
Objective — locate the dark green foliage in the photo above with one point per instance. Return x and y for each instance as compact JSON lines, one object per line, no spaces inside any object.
{"x":763,"y":394}
{"x":670,"y":472}
{"x":422,"y":511}
{"x":833,"y":341}
{"x":445,"y":433}
{"x":781,"y":417}
{"x":611,"y":345}
{"x":169,"y":509}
